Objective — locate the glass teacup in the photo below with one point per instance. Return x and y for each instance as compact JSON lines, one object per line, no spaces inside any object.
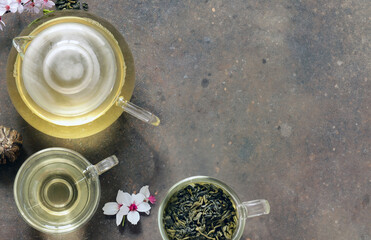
{"x":244,"y":210}
{"x":57,"y":190}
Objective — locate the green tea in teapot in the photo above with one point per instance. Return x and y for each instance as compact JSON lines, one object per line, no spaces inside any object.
{"x":70,"y":72}
{"x":200,"y":211}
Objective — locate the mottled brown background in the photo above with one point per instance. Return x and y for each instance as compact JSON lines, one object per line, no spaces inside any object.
{"x":273,"y":97}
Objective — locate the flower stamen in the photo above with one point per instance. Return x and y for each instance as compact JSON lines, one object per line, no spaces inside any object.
{"x":133,"y":207}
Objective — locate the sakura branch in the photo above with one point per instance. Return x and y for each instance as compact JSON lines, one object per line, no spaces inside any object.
{"x":13,"y":6}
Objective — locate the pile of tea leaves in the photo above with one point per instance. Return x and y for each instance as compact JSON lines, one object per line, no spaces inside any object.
{"x":200,"y":211}
{"x":70,"y":4}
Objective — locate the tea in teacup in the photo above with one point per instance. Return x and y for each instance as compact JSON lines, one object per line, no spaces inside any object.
{"x":57,"y":190}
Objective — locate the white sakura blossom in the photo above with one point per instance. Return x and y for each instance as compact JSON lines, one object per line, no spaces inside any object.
{"x":8,"y":5}
{"x":127,"y":204}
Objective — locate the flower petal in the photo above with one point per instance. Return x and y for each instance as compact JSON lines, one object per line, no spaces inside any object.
{"x":152,"y":199}
{"x":123,"y":198}
{"x":145,"y":191}
{"x":138,"y":198}
{"x":123,"y":211}
{"x":143,"y":207}
{"x":20,"y":8}
{"x":133,"y":217}
{"x":148,"y":212}
{"x":110,"y":208}
{"x":13,"y":7}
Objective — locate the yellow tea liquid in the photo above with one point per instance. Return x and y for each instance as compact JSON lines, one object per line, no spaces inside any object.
{"x":57,"y":191}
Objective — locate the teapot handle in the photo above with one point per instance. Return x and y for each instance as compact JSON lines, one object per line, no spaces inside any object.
{"x":20,"y":44}
{"x":138,"y":112}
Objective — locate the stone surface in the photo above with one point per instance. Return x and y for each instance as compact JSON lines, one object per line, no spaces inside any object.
{"x":272,"y":97}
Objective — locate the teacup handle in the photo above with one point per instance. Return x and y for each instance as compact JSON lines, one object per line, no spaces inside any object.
{"x":255,"y":208}
{"x":138,"y":112}
{"x":106,"y":164}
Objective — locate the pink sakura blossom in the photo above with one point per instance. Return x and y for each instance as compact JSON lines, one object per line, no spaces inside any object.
{"x":8,"y":5}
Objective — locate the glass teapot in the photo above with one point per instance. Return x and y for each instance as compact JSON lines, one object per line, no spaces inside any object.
{"x":71,"y":74}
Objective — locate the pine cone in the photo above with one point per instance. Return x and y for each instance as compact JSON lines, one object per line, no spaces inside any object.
{"x":10,"y":144}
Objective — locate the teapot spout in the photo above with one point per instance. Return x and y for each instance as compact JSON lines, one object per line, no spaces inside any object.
{"x":20,"y":44}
